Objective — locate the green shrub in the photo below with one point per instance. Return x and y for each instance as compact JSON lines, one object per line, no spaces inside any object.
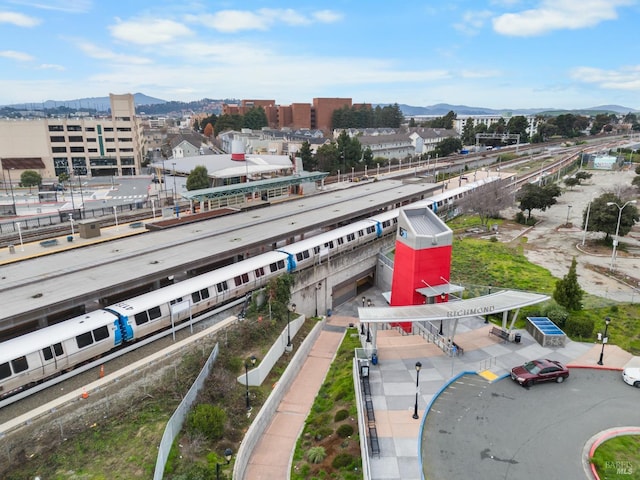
{"x":345,"y":430}
{"x":208,"y":420}
{"x":316,"y":454}
{"x":342,"y":460}
{"x":322,"y":432}
{"x":341,"y":415}
{"x":579,"y":327}
{"x":557,"y":314}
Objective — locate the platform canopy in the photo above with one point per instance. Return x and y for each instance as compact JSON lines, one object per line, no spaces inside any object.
{"x":497,"y":302}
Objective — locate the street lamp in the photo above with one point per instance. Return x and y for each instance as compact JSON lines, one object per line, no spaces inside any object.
{"x":290,"y":309}
{"x":115,"y":213}
{"x":20,"y":235}
{"x":318,"y":287}
{"x":586,"y":223}
{"x":228,"y":453}
{"x":605,"y":339}
{"x":13,"y":198}
{"x":568,"y":211}
{"x":415,"y":410}
{"x":615,"y":241}
{"x":175,"y":191}
{"x":246,"y":378}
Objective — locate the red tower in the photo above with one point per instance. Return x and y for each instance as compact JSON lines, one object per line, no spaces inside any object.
{"x":423,"y":259}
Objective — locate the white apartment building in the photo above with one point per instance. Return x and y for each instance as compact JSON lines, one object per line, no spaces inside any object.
{"x":111,"y":145}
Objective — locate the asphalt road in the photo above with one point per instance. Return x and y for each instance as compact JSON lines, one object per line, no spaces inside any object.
{"x":504,"y":431}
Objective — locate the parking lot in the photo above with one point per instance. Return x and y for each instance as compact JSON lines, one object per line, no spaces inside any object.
{"x":502,"y":430}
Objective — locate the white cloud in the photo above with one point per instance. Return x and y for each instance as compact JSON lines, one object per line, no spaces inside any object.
{"x":99,"y":53}
{"x":472,"y":21}
{"x":626,"y":78}
{"x":69,"y":6}
{"x":51,"y":66}
{"x":230,"y":21}
{"x":18,"y":56}
{"x":558,"y":15}
{"x":18,"y":19}
{"x":149,"y":31}
{"x":480,"y":73}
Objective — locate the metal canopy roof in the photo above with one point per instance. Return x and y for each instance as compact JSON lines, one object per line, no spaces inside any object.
{"x":252,"y":187}
{"x":432,"y":291}
{"x":493,"y":303}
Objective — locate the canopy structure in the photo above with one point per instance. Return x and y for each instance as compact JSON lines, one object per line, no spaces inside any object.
{"x":450,"y":312}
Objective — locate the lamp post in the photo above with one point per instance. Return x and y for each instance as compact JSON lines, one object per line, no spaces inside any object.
{"x":415,"y":409}
{"x":175,"y":191}
{"x":20,"y":235}
{"x":246,"y":379}
{"x":605,"y":339}
{"x":318,"y":287}
{"x":228,"y":453}
{"x":71,"y":220}
{"x":290,"y":309}
{"x":586,"y":223}
{"x":615,"y":241}
{"x":115,"y":213}
{"x":568,"y":212}
{"x":13,"y":198}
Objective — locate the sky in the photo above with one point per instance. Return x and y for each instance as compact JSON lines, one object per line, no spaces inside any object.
{"x":501,"y":54}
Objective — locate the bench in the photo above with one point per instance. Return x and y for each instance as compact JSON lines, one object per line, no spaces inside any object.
{"x":49,"y":243}
{"x":136,"y":225}
{"x":498,"y":332}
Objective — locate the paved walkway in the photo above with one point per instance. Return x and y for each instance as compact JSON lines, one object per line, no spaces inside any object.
{"x":271,"y":459}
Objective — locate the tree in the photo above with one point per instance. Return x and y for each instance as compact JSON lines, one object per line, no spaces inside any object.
{"x":255,"y":119}
{"x":309,"y":163}
{"x":447,"y":146}
{"x":327,"y":157}
{"x":30,"y":178}
{"x":487,"y":201}
{"x":198,"y":178}
{"x":571,"y":182}
{"x":582,"y":175}
{"x":604,"y":218}
{"x":568,"y":292}
{"x":636,"y":181}
{"x":208,"y":130}
{"x":228,"y":122}
{"x":535,"y":197}
{"x":468,"y":132}
{"x":519,"y":125}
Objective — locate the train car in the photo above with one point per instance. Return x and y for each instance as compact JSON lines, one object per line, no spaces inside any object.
{"x":312,"y":250}
{"x":153,"y":311}
{"x":33,"y":357}
{"x":385,"y":222}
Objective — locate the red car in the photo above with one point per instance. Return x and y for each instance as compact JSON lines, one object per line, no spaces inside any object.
{"x":541,"y":370}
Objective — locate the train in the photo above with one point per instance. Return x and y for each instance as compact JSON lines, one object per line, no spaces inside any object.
{"x":31,"y":358}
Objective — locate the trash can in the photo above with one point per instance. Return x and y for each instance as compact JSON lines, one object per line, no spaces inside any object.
{"x":70,"y":238}
{"x":12,"y":249}
{"x":374,"y":359}
{"x":517,"y":338}
{"x":329,"y":312}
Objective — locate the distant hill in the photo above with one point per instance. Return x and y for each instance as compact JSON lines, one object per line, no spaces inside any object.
{"x":100,"y":104}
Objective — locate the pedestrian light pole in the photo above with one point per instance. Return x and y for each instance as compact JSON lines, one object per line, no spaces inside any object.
{"x":415,"y":409}
{"x":615,"y":240}
{"x":605,"y":339}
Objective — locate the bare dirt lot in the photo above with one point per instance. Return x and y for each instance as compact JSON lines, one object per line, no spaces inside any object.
{"x":557,"y":238}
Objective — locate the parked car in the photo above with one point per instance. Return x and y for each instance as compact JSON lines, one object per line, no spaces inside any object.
{"x":541,"y":370}
{"x":632,"y":376}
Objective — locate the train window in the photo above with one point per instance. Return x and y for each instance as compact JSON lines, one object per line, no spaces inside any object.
{"x":47,"y":353}
{"x":302,"y":255}
{"x":340,"y":241}
{"x":361,"y":233}
{"x":177,"y":300}
{"x":19,"y":364}
{"x":329,"y":245}
{"x":5,"y":370}
{"x":222,"y":286}
{"x":57,"y":349}
{"x":101,"y":333}
{"x":195,"y":297}
{"x":370,"y":230}
{"x":351,"y":237}
{"x":241,"y":279}
{"x":260,"y":272}
{"x":316,"y":250}
{"x":204,"y":293}
{"x":141,"y":318}
{"x":155,"y":313}
{"x":279,"y":265}
{"x":386,"y":223}
{"x":84,"y":340}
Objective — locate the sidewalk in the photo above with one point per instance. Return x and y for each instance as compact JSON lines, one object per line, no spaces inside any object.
{"x":271,"y":459}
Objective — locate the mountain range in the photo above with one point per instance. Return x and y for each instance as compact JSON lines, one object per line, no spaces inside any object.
{"x":102,"y":104}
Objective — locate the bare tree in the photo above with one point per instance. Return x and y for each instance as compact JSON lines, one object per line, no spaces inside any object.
{"x":487,"y":201}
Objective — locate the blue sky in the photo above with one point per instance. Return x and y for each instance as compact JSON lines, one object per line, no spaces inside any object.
{"x":502,"y":54}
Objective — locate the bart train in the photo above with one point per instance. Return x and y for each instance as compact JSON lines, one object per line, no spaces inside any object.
{"x":33,"y":357}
